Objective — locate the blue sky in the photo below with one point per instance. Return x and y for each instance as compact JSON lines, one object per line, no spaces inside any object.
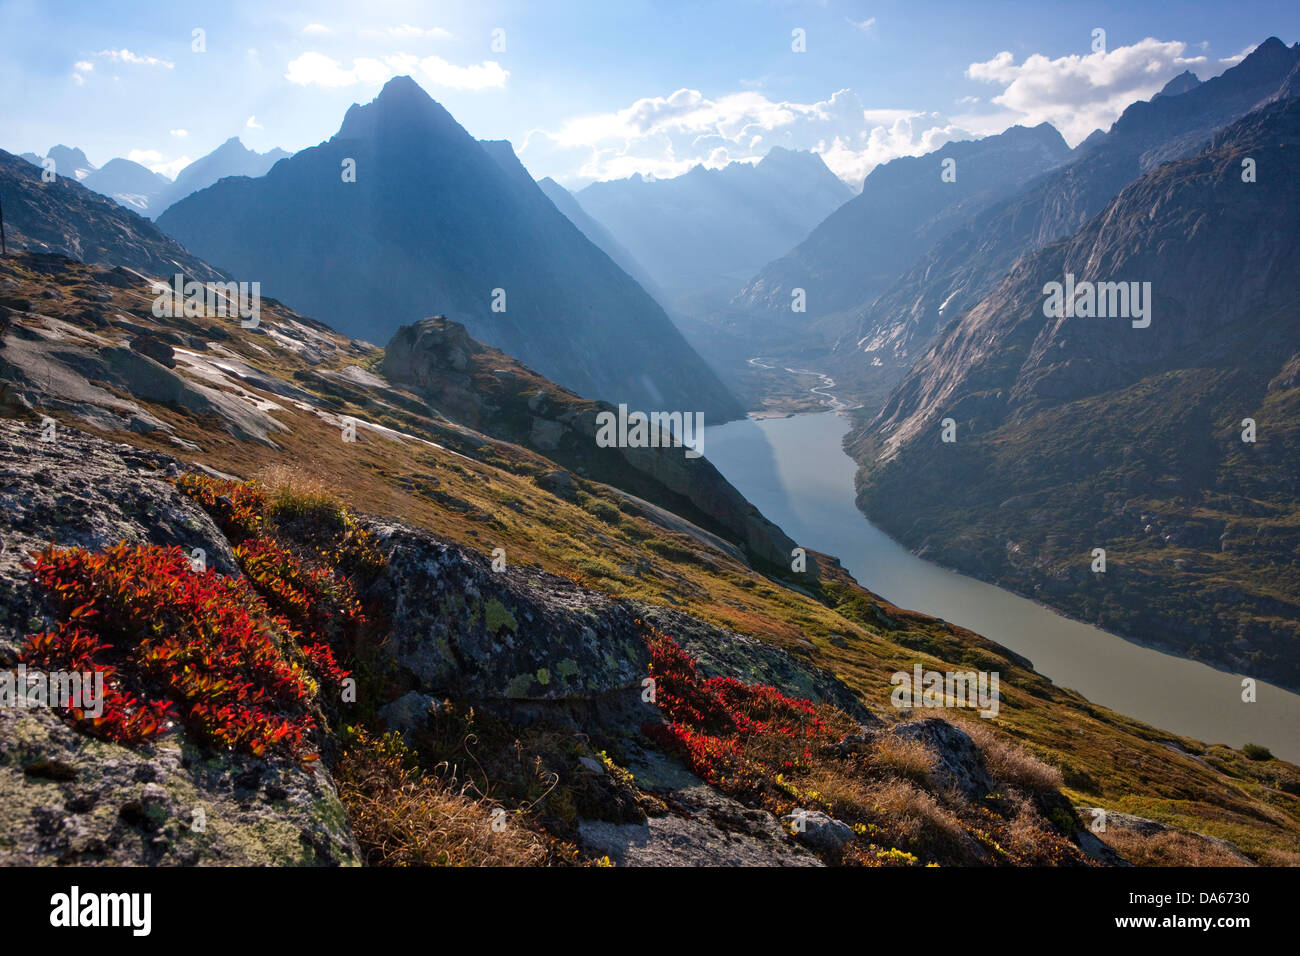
{"x":602,"y":89}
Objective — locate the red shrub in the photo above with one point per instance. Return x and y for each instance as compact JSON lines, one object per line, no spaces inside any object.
{"x":151,"y":623}
{"x":729,"y":730}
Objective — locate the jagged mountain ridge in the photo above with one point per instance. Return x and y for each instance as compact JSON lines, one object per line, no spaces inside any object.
{"x":963,"y":266}
{"x":141,"y":190}
{"x":231,"y":158}
{"x":433,"y":223}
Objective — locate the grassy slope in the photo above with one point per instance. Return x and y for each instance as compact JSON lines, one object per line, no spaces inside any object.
{"x":489,"y":499}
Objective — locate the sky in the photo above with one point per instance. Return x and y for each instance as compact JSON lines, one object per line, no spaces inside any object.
{"x":603,"y":90}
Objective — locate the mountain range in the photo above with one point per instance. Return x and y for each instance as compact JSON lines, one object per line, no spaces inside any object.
{"x":436,"y":222}
{"x":957,"y":270}
{"x":1172,"y":447}
{"x":905,"y":206}
{"x":142,"y":190}
{"x":700,"y":235}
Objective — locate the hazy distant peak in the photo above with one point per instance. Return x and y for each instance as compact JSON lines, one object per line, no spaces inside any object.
{"x":1095,"y":138}
{"x":1184,"y":81}
{"x":400,"y":87}
{"x":71,"y":161}
{"x":71,"y":154}
{"x":790,"y":158}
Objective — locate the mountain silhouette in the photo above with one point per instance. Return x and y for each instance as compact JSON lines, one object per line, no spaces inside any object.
{"x":434,"y":223}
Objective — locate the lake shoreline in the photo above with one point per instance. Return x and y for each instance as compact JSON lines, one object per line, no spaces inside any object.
{"x":817,"y":514}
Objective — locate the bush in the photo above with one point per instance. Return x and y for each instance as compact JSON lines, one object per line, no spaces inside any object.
{"x":1256,"y":752}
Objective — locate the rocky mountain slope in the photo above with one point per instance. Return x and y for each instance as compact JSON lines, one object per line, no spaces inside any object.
{"x":64,"y":217}
{"x":540,"y":664}
{"x":1082,"y":433}
{"x":962,"y":267}
{"x":490,"y":392}
{"x":433,"y":218}
{"x":702,"y":234}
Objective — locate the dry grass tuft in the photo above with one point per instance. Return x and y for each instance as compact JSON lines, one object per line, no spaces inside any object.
{"x":901,"y":757}
{"x":910,"y":819}
{"x":297,"y":491}
{"x":402,"y":817}
{"x":1171,"y":848}
{"x":1011,"y":763}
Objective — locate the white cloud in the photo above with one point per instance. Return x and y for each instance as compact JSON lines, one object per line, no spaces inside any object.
{"x":179,"y":133}
{"x":316,"y":30}
{"x":481,"y":76}
{"x":667,"y":135}
{"x":967,"y":101}
{"x":1080,"y":93}
{"x":1238,"y":57}
{"x":408,"y":32}
{"x":153,"y":160}
{"x":317,"y":69}
{"x":126,"y":56}
{"x":864,"y":25}
{"x":83,"y":66}
{"x":252,"y":123}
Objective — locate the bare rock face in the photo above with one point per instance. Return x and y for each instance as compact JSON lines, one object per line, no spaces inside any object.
{"x":703,"y":827}
{"x":69,"y":798}
{"x":818,"y":830}
{"x":466,"y":631}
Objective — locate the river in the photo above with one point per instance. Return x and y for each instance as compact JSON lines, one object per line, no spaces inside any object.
{"x":795,"y":471}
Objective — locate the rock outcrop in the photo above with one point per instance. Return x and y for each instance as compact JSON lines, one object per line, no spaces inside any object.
{"x":486,"y":390}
